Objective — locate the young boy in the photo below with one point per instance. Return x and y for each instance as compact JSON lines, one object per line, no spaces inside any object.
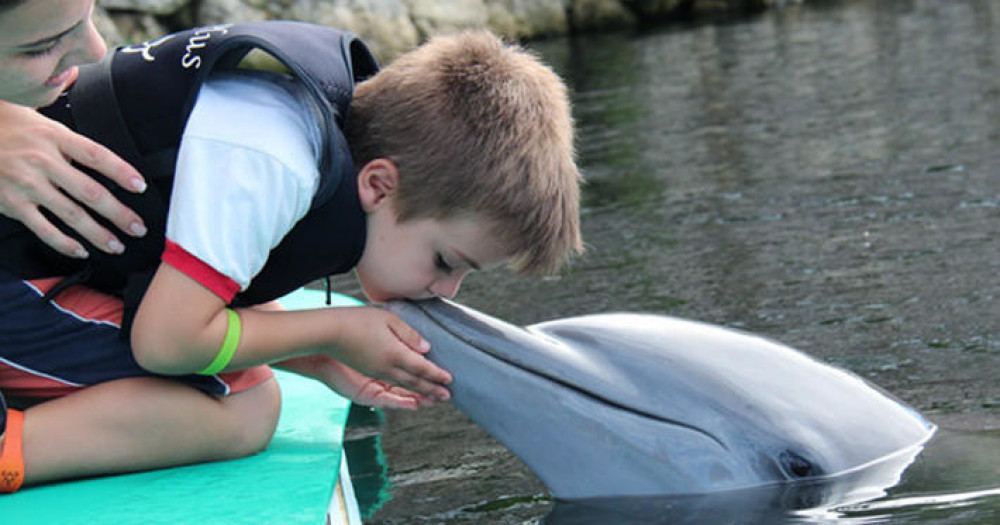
{"x":462,"y":160}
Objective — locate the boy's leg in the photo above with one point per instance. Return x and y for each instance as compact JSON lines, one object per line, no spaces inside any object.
{"x":144,"y":423}
{"x":123,"y":423}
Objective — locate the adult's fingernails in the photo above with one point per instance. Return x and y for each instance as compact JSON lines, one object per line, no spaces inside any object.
{"x":116,"y":246}
{"x":137,"y":229}
{"x":138,"y":184}
{"x":80,"y":253}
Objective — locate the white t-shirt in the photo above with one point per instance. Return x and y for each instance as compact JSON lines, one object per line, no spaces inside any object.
{"x":246,"y":173}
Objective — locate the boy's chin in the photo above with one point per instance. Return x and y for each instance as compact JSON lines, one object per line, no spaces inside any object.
{"x":380,"y":297}
{"x":374,"y":296}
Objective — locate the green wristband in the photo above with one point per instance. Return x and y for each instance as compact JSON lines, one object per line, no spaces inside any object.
{"x":229,"y":344}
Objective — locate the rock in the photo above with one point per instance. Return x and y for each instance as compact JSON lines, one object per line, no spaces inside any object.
{"x":392,"y":27}
{"x":107,"y":28}
{"x":223,"y":11}
{"x":527,"y":18}
{"x":589,"y":15}
{"x":385,"y":25}
{"x":137,"y":27}
{"x":433,"y":17}
{"x":154,"y":7}
{"x":656,"y":8}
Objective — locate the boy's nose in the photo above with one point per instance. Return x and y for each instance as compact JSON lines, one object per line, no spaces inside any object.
{"x":446,"y":288}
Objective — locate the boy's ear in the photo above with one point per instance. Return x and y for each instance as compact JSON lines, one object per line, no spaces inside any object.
{"x":377,"y":180}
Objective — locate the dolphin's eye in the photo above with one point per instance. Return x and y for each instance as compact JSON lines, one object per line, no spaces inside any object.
{"x":796,"y":466}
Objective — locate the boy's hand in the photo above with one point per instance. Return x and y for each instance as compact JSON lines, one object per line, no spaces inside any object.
{"x":35,"y":172}
{"x":379,"y":344}
{"x":354,"y":385}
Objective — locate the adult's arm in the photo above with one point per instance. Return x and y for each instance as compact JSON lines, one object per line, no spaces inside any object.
{"x":35,"y":173}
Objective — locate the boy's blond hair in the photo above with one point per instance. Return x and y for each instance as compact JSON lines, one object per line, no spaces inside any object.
{"x":477,"y":128}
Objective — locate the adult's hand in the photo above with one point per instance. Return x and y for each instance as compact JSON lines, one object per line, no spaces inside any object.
{"x":35,"y":172}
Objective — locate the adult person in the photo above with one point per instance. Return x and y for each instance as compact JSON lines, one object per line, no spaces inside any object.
{"x":41,"y":44}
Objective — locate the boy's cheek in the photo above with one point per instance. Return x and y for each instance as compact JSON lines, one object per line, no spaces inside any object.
{"x":373,"y":296}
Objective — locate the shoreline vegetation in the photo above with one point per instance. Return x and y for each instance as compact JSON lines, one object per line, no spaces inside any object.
{"x":392,"y":27}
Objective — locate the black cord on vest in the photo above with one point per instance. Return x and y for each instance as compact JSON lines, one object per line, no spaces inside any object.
{"x":329,"y":291}
{"x":79,"y":277}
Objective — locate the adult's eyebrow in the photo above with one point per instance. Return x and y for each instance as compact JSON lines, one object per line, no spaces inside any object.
{"x":49,"y":39}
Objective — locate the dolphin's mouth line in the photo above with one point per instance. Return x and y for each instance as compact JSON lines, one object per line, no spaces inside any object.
{"x":604,"y":400}
{"x":580,"y":390}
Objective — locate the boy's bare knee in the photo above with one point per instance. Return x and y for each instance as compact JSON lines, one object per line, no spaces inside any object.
{"x":253,"y":414}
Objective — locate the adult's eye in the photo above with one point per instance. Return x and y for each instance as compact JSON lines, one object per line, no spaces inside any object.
{"x":40,"y":52}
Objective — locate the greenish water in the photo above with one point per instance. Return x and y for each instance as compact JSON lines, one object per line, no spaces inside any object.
{"x":826,"y":174}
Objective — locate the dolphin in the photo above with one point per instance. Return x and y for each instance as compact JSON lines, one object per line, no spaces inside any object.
{"x":629,"y":404}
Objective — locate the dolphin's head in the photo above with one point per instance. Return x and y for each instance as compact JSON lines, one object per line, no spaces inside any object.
{"x":633,"y":404}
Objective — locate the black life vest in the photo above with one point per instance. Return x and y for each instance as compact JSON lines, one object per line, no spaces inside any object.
{"x":137,"y":102}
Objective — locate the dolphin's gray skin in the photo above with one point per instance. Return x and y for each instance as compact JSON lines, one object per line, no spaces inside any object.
{"x":644,"y":405}
{"x":955,"y":479}
{"x":770,"y":503}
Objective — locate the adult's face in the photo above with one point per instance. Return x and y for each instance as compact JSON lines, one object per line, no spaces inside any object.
{"x":41,"y":43}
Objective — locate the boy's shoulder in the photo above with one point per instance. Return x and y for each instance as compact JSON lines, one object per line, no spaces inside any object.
{"x":257,"y":112}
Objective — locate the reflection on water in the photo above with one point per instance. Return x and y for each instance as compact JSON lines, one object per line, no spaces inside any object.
{"x":825,"y":174}
{"x":808,"y":141}
{"x":953,"y":481}
{"x":365,"y":459}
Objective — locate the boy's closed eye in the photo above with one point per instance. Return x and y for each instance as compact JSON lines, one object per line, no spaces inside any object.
{"x":441,"y":264}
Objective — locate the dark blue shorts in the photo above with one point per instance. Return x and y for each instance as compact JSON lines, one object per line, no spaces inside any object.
{"x":52,"y":348}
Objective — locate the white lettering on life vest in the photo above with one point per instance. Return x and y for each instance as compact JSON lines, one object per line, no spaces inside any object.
{"x":146,"y":48}
{"x":191,"y":58}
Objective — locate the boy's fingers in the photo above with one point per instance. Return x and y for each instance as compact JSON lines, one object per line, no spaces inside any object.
{"x":429,"y":371}
{"x":408,"y":336}
{"x":391,"y":400}
{"x":422,"y":386}
{"x":399,"y":404}
{"x":423,"y":400}
{"x":402,"y":398}
{"x":384,"y":395}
